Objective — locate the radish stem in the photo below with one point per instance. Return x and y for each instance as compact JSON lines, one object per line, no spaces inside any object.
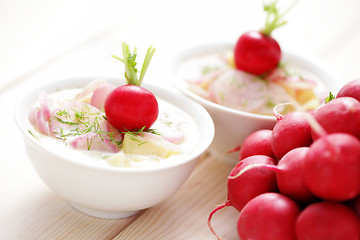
{"x":273,"y":18}
{"x":129,"y":60}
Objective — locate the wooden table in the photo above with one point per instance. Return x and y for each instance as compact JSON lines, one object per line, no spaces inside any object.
{"x":77,"y":38}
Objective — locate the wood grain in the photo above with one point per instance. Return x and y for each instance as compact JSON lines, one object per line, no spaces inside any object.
{"x":184,"y":215}
{"x":56,"y":219}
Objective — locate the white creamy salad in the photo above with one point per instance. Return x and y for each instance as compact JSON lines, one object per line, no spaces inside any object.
{"x":214,"y":77}
{"x":72,"y":122}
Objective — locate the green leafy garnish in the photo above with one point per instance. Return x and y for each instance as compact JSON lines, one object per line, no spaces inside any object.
{"x":33,"y":134}
{"x":274,"y":17}
{"x":134,"y":134}
{"x":153,"y":131}
{"x":64,"y":121}
{"x":88,"y":143}
{"x":82,"y":125}
{"x":329,"y":98}
{"x":140,"y":131}
{"x":79,"y":115}
{"x":62,"y":113}
{"x":129,"y":60}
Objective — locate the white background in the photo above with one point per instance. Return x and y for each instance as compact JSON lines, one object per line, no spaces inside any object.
{"x":77,"y":37}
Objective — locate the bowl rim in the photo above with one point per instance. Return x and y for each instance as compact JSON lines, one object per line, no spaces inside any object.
{"x":315,"y":65}
{"x":203,"y":116}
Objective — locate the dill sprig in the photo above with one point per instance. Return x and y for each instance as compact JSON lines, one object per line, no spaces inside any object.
{"x":33,"y":134}
{"x":134,"y":134}
{"x":81,"y":126}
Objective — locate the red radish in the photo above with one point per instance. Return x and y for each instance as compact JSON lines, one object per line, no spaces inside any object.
{"x":257,"y":52}
{"x":292,"y":131}
{"x":332,"y":167}
{"x":131,"y":107}
{"x":327,"y":220}
{"x":269,"y":216}
{"x":350,"y":89}
{"x":339,"y":115}
{"x":289,"y":176}
{"x":257,"y":143}
{"x":247,"y":180}
{"x":355,"y":204}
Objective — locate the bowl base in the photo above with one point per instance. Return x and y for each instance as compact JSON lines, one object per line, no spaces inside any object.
{"x":103,"y":214}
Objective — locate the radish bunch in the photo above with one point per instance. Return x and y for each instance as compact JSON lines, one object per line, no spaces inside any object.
{"x":302,"y":180}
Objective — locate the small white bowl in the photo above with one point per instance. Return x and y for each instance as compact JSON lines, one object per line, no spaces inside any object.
{"x":106,"y":191}
{"x":233,"y":126}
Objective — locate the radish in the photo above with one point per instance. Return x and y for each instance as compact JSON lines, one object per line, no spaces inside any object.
{"x":350,"y":89}
{"x":99,"y":96}
{"x":327,"y":220}
{"x":292,"y":131}
{"x":332,"y":167}
{"x":131,"y":107}
{"x":355,"y":204}
{"x":339,"y":115}
{"x":84,"y":127}
{"x":257,"y":143}
{"x":44,"y":106}
{"x":269,"y":216}
{"x":289,"y":176}
{"x":247,"y":180}
{"x":39,"y":116}
{"x":94,"y":142}
{"x":257,"y":52}
{"x":86,"y":94}
{"x":75,"y":118}
{"x":239,"y":92}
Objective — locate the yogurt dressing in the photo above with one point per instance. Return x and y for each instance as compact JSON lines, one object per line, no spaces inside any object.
{"x":176,"y":133}
{"x":214,"y":77}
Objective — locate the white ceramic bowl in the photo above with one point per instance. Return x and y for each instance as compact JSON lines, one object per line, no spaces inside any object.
{"x":233,"y":126}
{"x":106,"y":191}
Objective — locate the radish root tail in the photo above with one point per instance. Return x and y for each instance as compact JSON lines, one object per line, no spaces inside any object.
{"x":225,"y":204}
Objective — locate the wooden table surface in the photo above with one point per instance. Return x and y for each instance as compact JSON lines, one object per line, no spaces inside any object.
{"x":46,"y":40}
